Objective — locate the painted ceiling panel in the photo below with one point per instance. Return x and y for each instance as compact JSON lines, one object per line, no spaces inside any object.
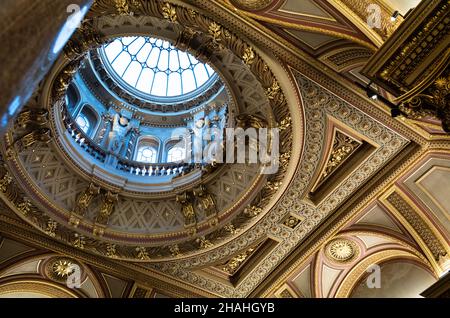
{"x":329,"y":276}
{"x":313,"y":40}
{"x":303,"y":282}
{"x":306,"y":8}
{"x":377,"y":216}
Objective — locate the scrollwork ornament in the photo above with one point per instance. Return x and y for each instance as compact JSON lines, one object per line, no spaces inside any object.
{"x":111,"y":250}
{"x":285,"y":123}
{"x":273,"y":91}
{"x":187,"y":209}
{"x":142,"y":253}
{"x":192,"y":13}
{"x":107,"y":207}
{"x":85,"y":199}
{"x":174,"y":250}
{"x":215,"y":30}
{"x":249,"y":56}
{"x":169,"y":12}
{"x":233,"y":265}
{"x":126,"y":7}
{"x":25,"y":206}
{"x":32,"y":117}
{"x":50,"y":230}
{"x":245,"y":121}
{"x":5,"y":181}
{"x":434,"y":102}
{"x":39,"y":135}
{"x":203,"y":242}
{"x":79,"y":241}
{"x":225,"y":38}
{"x":252,"y":211}
{"x":284,"y":159}
{"x":206,"y":200}
{"x":272,"y":186}
{"x":343,"y":148}
{"x":230,"y":228}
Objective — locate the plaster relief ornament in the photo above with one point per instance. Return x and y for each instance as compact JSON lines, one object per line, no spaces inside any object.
{"x":341,"y":250}
{"x":60,"y":268}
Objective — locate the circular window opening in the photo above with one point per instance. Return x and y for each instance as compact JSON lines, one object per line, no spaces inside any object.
{"x":155,"y":70}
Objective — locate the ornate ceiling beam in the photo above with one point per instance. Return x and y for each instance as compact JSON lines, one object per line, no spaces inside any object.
{"x":413,"y":64}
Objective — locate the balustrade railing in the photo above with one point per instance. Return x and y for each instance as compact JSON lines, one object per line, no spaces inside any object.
{"x":154,"y":169}
{"x":80,"y":137}
{"x":128,"y":166}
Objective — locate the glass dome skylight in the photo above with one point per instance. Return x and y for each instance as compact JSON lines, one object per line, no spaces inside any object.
{"x":155,"y":68}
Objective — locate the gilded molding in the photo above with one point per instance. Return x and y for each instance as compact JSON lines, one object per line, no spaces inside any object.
{"x":29,"y":139}
{"x":433,"y":102}
{"x":252,"y":211}
{"x":51,"y":290}
{"x":5,"y":181}
{"x":79,"y":241}
{"x":422,"y":229}
{"x":253,"y":18}
{"x":111,"y":250}
{"x":51,"y":228}
{"x":26,"y":118}
{"x":227,"y":36}
{"x":343,"y":147}
{"x":413,"y":58}
{"x":203,"y":242}
{"x":142,"y":253}
{"x":234,"y":264}
{"x":251,"y":4}
{"x":21,"y":231}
